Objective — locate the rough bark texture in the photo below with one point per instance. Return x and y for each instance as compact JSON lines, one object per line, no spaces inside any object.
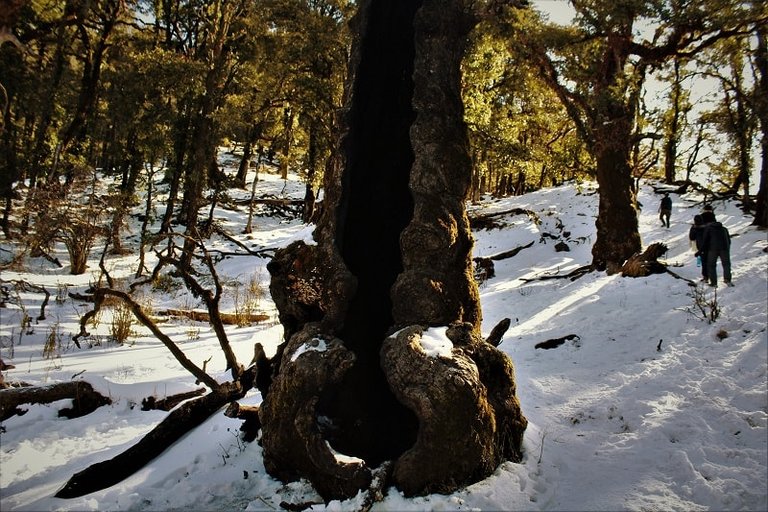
{"x":618,"y":237}
{"x":295,"y":445}
{"x":393,"y":250}
{"x":469,"y":417}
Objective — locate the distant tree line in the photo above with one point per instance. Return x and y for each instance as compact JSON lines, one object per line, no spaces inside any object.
{"x":124,"y":89}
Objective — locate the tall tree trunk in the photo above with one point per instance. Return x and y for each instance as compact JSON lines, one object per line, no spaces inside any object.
{"x":40,"y":151}
{"x":131,"y":167}
{"x":615,"y":104}
{"x":245,"y":163}
{"x":89,"y":82}
{"x":181,"y":136}
{"x":393,"y":256}
{"x":287,"y":141}
{"x":673,"y":130}
{"x":10,"y":174}
{"x":312,"y":162}
{"x":618,"y":236}
{"x":761,"y":107}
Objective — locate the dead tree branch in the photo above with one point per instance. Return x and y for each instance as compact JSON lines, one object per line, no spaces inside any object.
{"x":166,"y":404}
{"x":178,"y":422}
{"x":29,"y":287}
{"x":101,"y":293}
{"x":211,"y":300}
{"x":572,"y":275}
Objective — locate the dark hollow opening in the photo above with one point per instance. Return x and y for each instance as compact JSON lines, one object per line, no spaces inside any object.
{"x":376,"y":206}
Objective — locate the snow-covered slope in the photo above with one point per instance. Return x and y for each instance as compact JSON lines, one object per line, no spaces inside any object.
{"x":616,"y":423}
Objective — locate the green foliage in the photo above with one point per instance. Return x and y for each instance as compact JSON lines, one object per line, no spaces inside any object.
{"x":115,"y":85}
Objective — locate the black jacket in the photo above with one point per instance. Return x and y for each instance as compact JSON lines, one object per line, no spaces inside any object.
{"x":697,"y":234}
{"x":716,"y":238}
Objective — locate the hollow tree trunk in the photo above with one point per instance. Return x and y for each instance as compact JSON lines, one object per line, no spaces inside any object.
{"x":393,"y":252}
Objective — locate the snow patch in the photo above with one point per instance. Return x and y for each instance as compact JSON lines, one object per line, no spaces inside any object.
{"x":342,"y":458}
{"x":435,"y":342}
{"x":320,"y":346}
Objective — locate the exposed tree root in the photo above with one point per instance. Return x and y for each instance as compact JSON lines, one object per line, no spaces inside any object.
{"x":250,"y":414}
{"x":84,"y":398}
{"x":645,"y":263}
{"x":497,"y":333}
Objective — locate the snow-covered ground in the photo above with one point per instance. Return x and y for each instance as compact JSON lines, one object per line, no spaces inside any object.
{"x":616,"y":423}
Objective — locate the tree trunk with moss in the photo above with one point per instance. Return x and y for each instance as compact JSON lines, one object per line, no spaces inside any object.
{"x":392,"y":265}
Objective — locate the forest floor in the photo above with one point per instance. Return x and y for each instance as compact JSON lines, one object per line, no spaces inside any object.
{"x":651,"y":406}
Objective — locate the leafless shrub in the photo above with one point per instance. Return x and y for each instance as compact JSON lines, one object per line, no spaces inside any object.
{"x":247,"y":298}
{"x":705,"y":308}
{"x":120,"y":327}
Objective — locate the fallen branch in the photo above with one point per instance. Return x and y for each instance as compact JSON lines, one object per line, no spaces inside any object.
{"x":85,"y":399}
{"x":556,"y":342}
{"x":250,"y":414}
{"x":263,"y":253}
{"x":509,"y":254}
{"x":678,"y":276}
{"x":29,"y":287}
{"x":572,"y":275}
{"x":101,"y":293}
{"x":178,"y":422}
{"x":486,"y":221}
{"x":204,"y":316}
{"x":269,"y":201}
{"x":166,"y":404}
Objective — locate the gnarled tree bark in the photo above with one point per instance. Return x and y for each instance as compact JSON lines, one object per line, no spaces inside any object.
{"x":393,"y":255}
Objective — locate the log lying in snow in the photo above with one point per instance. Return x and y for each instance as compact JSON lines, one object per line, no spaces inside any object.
{"x":84,"y":398}
{"x":203,"y":316}
{"x":556,"y":342}
{"x":487,"y":221}
{"x":178,"y":422}
{"x":166,"y":404}
{"x":250,"y":413}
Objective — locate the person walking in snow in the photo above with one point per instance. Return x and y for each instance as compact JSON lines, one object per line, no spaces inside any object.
{"x":696,"y":239}
{"x":665,"y":209}
{"x":716,"y":243}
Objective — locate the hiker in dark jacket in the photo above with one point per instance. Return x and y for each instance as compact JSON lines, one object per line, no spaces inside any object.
{"x":716,"y":243}
{"x":696,"y":238}
{"x":665,"y":209}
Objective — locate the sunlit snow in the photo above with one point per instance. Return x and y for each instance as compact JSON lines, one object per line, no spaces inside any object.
{"x":654,"y":408}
